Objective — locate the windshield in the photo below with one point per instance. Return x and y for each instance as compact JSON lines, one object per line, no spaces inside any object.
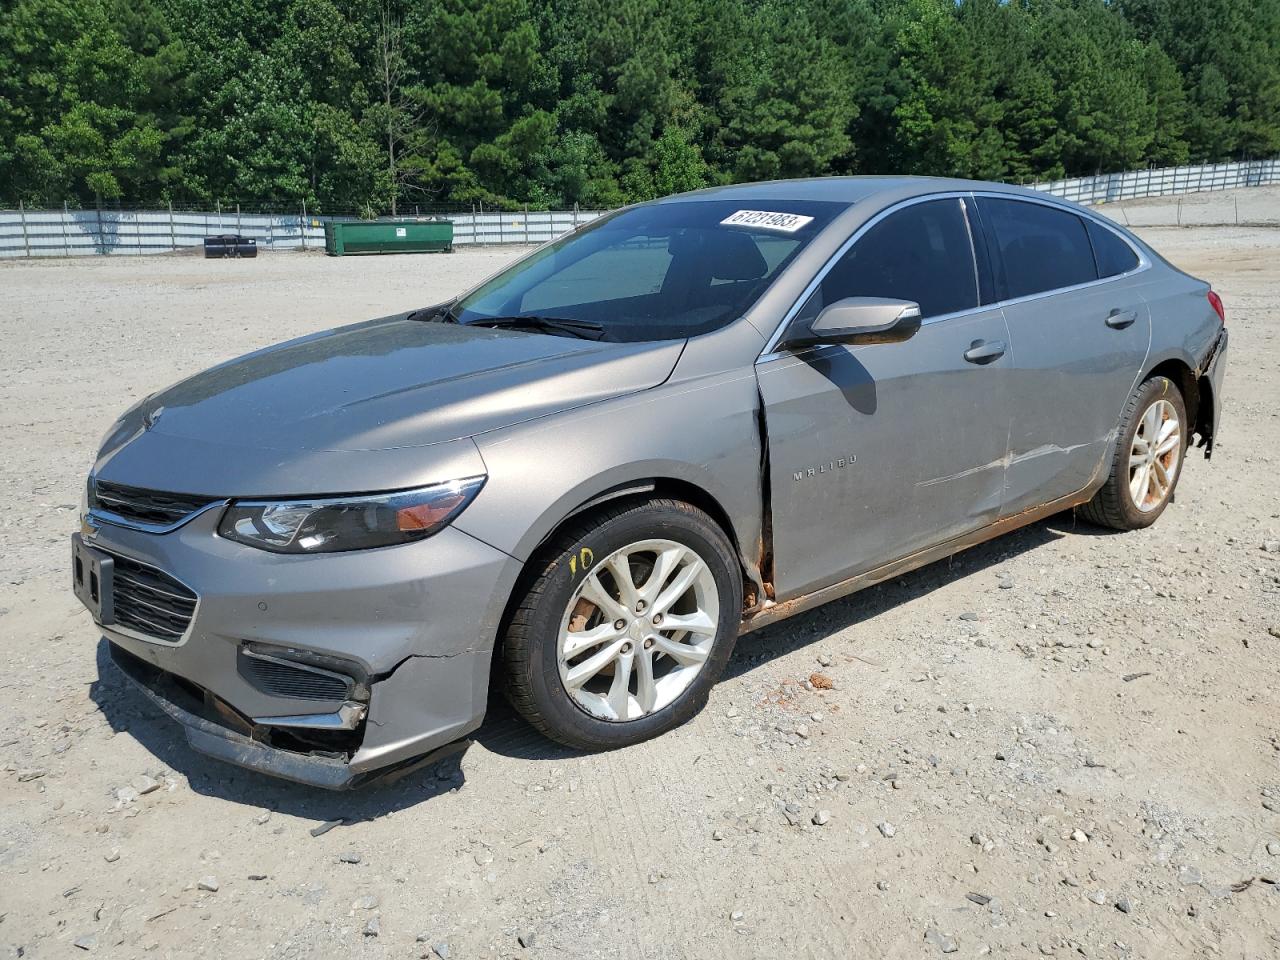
{"x":657,"y":272}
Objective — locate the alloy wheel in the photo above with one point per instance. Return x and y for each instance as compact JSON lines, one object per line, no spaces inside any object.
{"x":638,"y":630}
{"x":1154,"y":456}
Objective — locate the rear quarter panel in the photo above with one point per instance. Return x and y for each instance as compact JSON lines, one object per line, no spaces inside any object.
{"x":1183,"y":324}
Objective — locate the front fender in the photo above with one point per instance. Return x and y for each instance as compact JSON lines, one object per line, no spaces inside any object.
{"x":702,"y":432}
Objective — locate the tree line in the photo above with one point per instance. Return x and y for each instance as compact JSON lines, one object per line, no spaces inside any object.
{"x":374,"y":105}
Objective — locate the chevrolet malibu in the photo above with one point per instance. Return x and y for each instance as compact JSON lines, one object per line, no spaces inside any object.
{"x":587,"y":476}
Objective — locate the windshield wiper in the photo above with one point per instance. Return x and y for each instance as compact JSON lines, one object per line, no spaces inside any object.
{"x":433,"y":315}
{"x":584,"y":329}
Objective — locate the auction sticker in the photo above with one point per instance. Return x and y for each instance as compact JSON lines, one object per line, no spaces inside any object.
{"x":766,"y":220}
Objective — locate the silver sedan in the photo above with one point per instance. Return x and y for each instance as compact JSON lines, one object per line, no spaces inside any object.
{"x":588,"y":475}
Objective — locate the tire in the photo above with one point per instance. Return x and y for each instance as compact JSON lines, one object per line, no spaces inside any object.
{"x":1115,"y":505}
{"x":553,"y":618}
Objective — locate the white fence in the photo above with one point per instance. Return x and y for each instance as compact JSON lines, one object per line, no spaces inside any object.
{"x":1164,"y":181}
{"x":67,"y":233}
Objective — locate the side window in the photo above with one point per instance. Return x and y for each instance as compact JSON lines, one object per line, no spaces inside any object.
{"x":1112,"y":254}
{"x":1040,"y":248}
{"x":921,"y":253}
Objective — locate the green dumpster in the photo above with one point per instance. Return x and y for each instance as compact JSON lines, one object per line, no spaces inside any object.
{"x":344,"y":237}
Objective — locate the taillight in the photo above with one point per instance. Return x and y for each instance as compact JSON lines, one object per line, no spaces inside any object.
{"x":1215,"y":301}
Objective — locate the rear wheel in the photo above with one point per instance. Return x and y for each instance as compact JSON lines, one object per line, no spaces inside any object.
{"x":626,"y":627}
{"x":1147,"y":460}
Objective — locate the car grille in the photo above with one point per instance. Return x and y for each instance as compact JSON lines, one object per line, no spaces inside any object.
{"x":299,"y":681}
{"x":150,"y":602}
{"x":145,"y":506}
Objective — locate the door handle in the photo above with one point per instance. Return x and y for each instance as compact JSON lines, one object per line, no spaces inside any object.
{"x":1119,"y":319}
{"x":984,"y":351}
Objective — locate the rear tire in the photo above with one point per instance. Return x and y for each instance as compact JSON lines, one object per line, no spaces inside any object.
{"x":582,"y":637}
{"x":1147,"y":459}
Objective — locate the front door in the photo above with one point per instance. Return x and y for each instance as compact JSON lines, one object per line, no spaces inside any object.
{"x":878,"y":451}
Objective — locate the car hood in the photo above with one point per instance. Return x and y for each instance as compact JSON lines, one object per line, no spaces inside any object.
{"x":374,"y":392}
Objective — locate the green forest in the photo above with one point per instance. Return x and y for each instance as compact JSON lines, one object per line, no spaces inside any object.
{"x":371,"y":106}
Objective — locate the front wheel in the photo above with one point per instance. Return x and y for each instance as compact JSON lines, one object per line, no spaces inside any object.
{"x":628,"y":623}
{"x":1147,"y":461}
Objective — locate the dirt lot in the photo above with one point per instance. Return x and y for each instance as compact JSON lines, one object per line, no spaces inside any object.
{"x":1064,"y":742}
{"x":1249,"y":206}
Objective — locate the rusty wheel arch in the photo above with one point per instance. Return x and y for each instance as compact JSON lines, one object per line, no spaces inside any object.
{"x":753,"y":587}
{"x":1196,"y":390}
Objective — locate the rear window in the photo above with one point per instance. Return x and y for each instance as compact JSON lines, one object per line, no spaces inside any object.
{"x":1112,"y":254}
{"x":1040,"y":248}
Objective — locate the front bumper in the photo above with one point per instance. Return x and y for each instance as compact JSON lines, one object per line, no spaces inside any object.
{"x":412,"y":626}
{"x":212,"y":730}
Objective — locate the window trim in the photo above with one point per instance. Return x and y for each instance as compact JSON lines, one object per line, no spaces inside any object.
{"x":973,"y":250}
{"x":771,"y":351}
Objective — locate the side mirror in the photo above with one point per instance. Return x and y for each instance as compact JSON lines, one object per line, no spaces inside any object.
{"x":860,"y":320}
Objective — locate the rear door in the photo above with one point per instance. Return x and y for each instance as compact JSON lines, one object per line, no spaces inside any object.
{"x":1080,"y":331}
{"x":879,"y":450}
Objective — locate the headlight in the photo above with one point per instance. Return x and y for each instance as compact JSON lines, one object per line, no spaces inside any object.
{"x":333,"y":524}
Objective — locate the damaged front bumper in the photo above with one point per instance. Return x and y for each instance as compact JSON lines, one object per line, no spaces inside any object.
{"x":214,"y":728}
{"x":324,"y":670}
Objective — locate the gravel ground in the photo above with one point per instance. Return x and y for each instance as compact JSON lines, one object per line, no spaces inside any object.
{"x":1062,"y":742}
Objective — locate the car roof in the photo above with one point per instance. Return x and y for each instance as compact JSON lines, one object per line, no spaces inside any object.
{"x":848,"y":190}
